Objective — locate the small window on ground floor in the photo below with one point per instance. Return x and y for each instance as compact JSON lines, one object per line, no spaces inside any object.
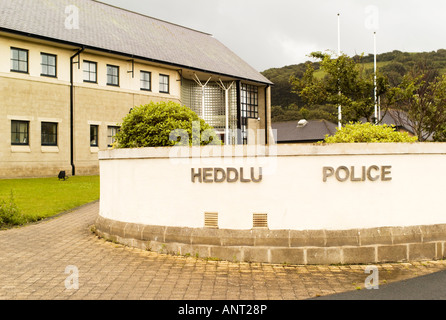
{"x":94,"y":136}
{"x":111,"y":135}
{"x":49,"y":134}
{"x":20,"y":133}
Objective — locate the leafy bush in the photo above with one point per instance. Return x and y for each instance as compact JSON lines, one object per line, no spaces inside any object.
{"x":164,"y":124}
{"x":368,"y":133}
{"x":10,"y":213}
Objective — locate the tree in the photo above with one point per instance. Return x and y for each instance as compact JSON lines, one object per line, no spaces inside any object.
{"x":344,"y":83}
{"x":164,"y":124}
{"x":420,"y":102}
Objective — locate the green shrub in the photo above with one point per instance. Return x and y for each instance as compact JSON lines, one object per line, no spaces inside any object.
{"x":9,"y":213}
{"x":368,"y":133}
{"x":164,"y":124}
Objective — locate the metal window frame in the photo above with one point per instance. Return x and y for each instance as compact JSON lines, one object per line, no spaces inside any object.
{"x":19,"y":132}
{"x":96,"y":136}
{"x":27,"y":60}
{"x":214,"y":100}
{"x":48,"y":65}
{"x":52,"y":144}
{"x":146,"y":81}
{"x":249,"y":107}
{"x":111,"y":137}
{"x":113,"y":77}
{"x":165,"y":76}
{"x":89,"y":63}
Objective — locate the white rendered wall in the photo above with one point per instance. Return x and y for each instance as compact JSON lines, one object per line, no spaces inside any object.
{"x":152,"y":187}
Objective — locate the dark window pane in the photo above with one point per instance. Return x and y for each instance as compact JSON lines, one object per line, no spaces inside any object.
{"x":94,"y":136}
{"x":249,"y":106}
{"x":49,"y":134}
{"x":19,"y":132}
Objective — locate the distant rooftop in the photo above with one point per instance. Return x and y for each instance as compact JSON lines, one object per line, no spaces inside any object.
{"x":111,"y":29}
{"x":303,"y":131}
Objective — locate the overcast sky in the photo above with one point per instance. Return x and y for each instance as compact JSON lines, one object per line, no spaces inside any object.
{"x":269,"y":34}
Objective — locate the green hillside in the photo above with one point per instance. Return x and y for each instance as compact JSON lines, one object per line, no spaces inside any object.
{"x":394,"y":65}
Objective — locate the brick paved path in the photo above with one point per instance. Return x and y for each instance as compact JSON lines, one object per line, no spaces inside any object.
{"x":33,"y":262}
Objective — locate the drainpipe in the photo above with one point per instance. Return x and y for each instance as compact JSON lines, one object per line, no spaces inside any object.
{"x":73,"y":168}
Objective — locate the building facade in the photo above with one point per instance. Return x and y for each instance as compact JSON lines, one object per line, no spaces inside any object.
{"x":65,"y":88}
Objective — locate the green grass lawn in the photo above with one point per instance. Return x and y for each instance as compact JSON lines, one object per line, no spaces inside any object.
{"x":38,"y":199}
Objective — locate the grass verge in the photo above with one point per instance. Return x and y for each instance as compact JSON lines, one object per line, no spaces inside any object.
{"x":30,"y":200}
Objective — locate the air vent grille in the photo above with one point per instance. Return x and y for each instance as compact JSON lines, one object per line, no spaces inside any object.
{"x":211,"y":220}
{"x":260,"y":220}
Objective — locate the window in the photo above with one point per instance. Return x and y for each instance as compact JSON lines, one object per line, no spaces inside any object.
{"x":94,"y":135}
{"x":146,"y":80}
{"x":249,"y":101}
{"x":20,"y":133}
{"x":249,"y":107}
{"x":112,"y":75}
{"x":90,"y":71}
{"x":111,"y":134}
{"x":48,"y":63}
{"x":19,"y":60}
{"x":49,"y":134}
{"x":164,"y":83}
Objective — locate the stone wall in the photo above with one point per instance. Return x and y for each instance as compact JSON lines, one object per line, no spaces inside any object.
{"x":356,"y":246}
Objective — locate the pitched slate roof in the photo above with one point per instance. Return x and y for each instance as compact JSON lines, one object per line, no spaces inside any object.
{"x":108,"y":28}
{"x":313,"y":130}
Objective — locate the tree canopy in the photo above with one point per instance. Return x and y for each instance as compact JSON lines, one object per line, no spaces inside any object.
{"x":392,"y":65}
{"x":344,"y":83}
{"x":410,"y":85}
{"x":419,"y":102}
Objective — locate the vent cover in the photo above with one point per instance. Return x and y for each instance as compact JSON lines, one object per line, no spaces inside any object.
{"x":260,"y":220}
{"x":211,"y":220}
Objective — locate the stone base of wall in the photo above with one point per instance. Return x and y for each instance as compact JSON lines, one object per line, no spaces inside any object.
{"x":46,"y":171}
{"x":92,"y":170}
{"x":33,"y":171}
{"x":357,"y":246}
